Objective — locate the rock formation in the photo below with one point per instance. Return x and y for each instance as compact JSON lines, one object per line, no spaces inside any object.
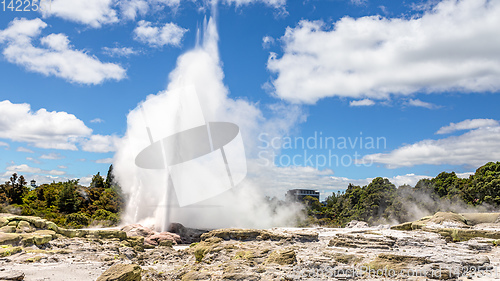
{"x":443,"y":246}
{"x":121,"y":272}
{"x":457,"y":227}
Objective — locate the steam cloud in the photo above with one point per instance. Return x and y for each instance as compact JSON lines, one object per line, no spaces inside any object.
{"x":420,"y":202}
{"x":242,"y":206}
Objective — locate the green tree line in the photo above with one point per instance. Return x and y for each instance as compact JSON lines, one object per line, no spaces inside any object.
{"x":66,"y":203}
{"x":383,"y":202}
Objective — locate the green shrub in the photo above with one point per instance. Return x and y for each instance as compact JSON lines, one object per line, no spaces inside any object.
{"x":27,"y":211}
{"x":77,"y":220}
{"x":104,"y":215}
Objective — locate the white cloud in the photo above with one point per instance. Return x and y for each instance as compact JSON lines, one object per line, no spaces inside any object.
{"x":409,"y":179}
{"x":44,"y":129}
{"x":24,"y":149}
{"x":57,"y":57}
{"x":96,"y":120}
{"x":50,"y":130}
{"x":364,"y":102}
{"x":40,"y":179}
{"x":100,"y":143}
{"x":105,"y":161}
{"x":130,"y":9}
{"x":58,"y":42}
{"x":94,"y":13}
{"x":23,"y":168}
{"x":473,"y":148}
{"x":62,"y":167}
{"x":33,"y":160}
{"x":464,"y":175}
{"x":85,"y":181}
{"x":52,"y":156}
{"x":272,"y":3}
{"x":119,"y":52}
{"x":384,"y":9}
{"x":419,"y":103}
{"x":451,"y":47}
{"x":22,"y":30}
{"x":359,"y":2}
{"x":267,"y":42}
{"x":468,"y":125}
{"x":159,"y":36}
{"x":424,"y":5}
{"x":277,"y":180}
{"x":4,"y":144}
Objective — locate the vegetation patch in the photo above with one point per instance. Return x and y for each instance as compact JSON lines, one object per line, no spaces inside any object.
{"x":383,"y":202}
{"x":67,"y":204}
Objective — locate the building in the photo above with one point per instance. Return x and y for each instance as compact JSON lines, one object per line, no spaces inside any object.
{"x":299,"y":194}
{"x":33,"y":183}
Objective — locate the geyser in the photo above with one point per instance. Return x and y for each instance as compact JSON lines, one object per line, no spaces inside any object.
{"x":196,"y":108}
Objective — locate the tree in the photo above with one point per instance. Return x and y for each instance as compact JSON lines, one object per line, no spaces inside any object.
{"x":68,"y":197}
{"x":14,"y":189}
{"x":96,"y":188}
{"x":110,"y":178}
{"x":313,"y":203}
{"x":484,"y":185}
{"x":49,"y":193}
{"x":379,"y":195}
{"x":112,"y":199}
{"x":444,"y":183}
{"x":4,"y":193}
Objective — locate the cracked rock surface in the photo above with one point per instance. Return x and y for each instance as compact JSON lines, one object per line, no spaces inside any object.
{"x":358,"y":252}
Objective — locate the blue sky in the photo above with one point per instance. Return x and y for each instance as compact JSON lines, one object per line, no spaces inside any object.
{"x":422,"y":75}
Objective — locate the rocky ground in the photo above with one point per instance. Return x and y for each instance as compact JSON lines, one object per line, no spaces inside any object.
{"x":444,"y":246}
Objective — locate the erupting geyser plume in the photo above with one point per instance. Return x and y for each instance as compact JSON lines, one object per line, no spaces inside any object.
{"x":198,"y":74}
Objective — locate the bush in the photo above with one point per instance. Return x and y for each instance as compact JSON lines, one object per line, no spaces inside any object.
{"x":103,"y":215}
{"x":77,"y":220}
{"x":27,"y":211}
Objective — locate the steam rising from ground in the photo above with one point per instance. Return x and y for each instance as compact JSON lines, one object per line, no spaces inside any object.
{"x":243,"y":206}
{"x":420,"y":202}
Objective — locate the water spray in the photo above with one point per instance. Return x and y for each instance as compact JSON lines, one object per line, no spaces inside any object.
{"x":200,"y":162}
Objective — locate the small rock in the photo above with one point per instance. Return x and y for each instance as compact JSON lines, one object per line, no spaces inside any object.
{"x":128,"y":252}
{"x":24,"y":227}
{"x":5,"y":252}
{"x":109,"y":234}
{"x":282,"y":257}
{"x":46,"y":232}
{"x":188,"y":235}
{"x":135,"y":241}
{"x":12,"y":275}
{"x":3,"y":222}
{"x":157,"y":238}
{"x":9,"y":238}
{"x":137,"y":230}
{"x":122,"y":272}
{"x":42,"y":239}
{"x":196,"y":275}
{"x":13,"y":223}
{"x":166,"y":243}
{"x":356,"y":224}
{"x":8,"y":229}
